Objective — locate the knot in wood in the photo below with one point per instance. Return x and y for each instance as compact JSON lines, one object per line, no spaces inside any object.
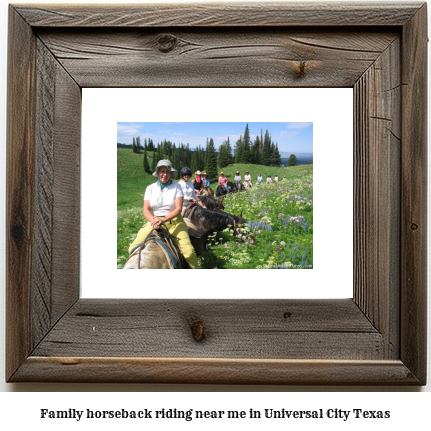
{"x":300,"y":69}
{"x":414,"y":226}
{"x":18,"y":233}
{"x":197,"y":328}
{"x":167,"y":42}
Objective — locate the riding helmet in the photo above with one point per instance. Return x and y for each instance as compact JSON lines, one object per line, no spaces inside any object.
{"x":186,"y":171}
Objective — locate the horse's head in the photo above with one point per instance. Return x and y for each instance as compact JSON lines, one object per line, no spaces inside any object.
{"x":212,"y":203}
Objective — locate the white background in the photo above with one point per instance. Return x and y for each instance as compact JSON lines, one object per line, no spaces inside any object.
{"x":330,"y":110}
{"x":411,"y":409}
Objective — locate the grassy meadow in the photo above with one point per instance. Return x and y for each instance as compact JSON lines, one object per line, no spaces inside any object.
{"x":279,"y":229}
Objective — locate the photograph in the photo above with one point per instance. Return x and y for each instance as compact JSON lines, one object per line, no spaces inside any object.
{"x":219,"y":195}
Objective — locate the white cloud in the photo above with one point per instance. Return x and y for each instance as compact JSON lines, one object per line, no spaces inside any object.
{"x":299,"y":125}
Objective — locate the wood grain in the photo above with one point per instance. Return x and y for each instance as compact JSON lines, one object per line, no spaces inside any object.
{"x":413,"y":194}
{"x":221,"y":15}
{"x":377,"y":223}
{"x":20,"y":194}
{"x":215,"y":371}
{"x":234,"y":329}
{"x":379,"y":337}
{"x":226,"y":58}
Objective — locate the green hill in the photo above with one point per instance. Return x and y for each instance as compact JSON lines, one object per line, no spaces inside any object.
{"x":132,"y":180}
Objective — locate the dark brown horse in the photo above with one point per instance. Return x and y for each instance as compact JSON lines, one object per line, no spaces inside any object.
{"x":221,"y":191}
{"x":212,"y":203}
{"x":207,"y":220}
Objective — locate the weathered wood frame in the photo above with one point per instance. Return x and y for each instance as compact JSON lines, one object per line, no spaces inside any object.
{"x":379,"y":50}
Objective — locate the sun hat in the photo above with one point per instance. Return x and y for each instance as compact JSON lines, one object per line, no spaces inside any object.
{"x":167,"y":164}
{"x":221,"y":173}
{"x":204,"y":173}
{"x":198,"y":172}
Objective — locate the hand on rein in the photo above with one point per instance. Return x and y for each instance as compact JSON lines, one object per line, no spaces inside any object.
{"x":156,"y":222}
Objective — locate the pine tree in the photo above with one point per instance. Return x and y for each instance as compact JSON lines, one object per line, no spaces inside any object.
{"x":159,"y":152}
{"x":238,"y":150}
{"x":224,"y":157}
{"x":150,"y":145}
{"x":229,"y":150}
{"x":245,"y":154}
{"x":292,"y":160}
{"x":155,"y":160}
{"x":147,"y":168}
{"x":134,"y":145}
{"x":194,"y":162}
{"x":255,"y":151}
{"x":266,"y":151}
{"x":211,"y":160}
{"x":175,"y":158}
{"x":271,"y":154}
{"x":138,"y":144}
{"x":275,"y":157}
{"x":200,"y":158}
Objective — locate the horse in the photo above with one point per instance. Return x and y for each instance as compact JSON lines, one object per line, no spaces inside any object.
{"x":206,"y":220}
{"x":158,"y":251}
{"x":212,"y":203}
{"x":221,"y":190}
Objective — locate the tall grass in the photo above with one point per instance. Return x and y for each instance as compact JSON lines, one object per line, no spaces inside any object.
{"x":279,"y":228}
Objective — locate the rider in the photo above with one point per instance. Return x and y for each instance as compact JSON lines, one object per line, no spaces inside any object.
{"x":187,"y":188}
{"x":259,"y":179}
{"x":222,"y":180}
{"x":197,"y":182}
{"x":205,"y":181}
{"x":163,"y":201}
{"x":238,"y":180}
{"x":247,"y":179}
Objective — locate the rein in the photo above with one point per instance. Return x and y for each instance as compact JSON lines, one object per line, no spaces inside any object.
{"x":190,"y":210}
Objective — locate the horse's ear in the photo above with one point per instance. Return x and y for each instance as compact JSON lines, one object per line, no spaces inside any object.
{"x":240,"y":215}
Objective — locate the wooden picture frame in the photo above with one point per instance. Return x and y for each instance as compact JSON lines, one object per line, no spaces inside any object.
{"x":376,"y":338}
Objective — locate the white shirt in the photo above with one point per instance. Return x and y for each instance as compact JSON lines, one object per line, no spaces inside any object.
{"x":188,"y":192}
{"x":162,"y":202}
{"x":247,"y":178}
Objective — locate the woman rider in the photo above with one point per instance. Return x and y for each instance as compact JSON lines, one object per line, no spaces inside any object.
{"x":197,"y":182}
{"x":163,"y":201}
{"x":187,"y":188}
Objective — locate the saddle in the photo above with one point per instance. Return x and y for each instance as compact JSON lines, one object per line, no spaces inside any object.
{"x":168,"y":245}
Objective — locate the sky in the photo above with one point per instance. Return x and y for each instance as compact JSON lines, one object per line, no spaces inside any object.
{"x":290,"y":137}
